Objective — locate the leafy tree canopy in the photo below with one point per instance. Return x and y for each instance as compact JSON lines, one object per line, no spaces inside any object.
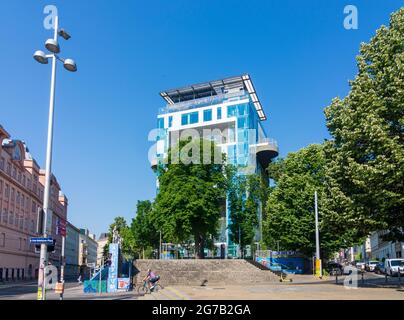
{"x":190,"y":195}
{"x":365,"y":168}
{"x":290,"y":217}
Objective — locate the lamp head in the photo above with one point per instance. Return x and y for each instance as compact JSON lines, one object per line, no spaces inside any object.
{"x":52,"y":46}
{"x":40,"y":57}
{"x":70,"y":65}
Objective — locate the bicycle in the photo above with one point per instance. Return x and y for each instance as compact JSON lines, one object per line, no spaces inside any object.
{"x":145,"y":289}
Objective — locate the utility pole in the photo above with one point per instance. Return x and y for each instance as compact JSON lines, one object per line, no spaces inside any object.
{"x":62,"y":266}
{"x":160,"y":246}
{"x":319,"y":270}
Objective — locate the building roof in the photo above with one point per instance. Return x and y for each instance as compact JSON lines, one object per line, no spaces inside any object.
{"x":213,"y":88}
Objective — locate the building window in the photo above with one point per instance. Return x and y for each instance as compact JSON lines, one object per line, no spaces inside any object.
{"x":231,"y":111}
{"x":184,"y":119}
{"x":170,"y":121}
{"x":2,"y":240}
{"x":160,"y":123}
{"x":219,"y":113}
{"x":5,"y":216}
{"x":2,"y":161}
{"x":189,"y":118}
{"x":11,"y":218}
{"x":7,"y":191}
{"x":207,"y":115}
{"x":193,"y":117}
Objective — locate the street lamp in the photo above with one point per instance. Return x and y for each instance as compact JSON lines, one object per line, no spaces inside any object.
{"x":51,"y":45}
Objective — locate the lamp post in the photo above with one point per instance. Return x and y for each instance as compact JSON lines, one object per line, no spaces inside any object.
{"x":319,"y":270}
{"x":51,"y":45}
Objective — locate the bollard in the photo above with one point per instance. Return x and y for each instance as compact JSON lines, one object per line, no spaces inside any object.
{"x":363,"y":279}
{"x":336,"y":278}
{"x":399,"y":278}
{"x":386,"y":278}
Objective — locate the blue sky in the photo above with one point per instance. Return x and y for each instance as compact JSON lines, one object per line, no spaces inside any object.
{"x":297,"y":52}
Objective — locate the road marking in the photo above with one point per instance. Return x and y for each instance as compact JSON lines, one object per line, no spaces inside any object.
{"x":178,"y":293}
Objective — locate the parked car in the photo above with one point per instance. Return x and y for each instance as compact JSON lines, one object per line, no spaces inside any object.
{"x":334,"y":268}
{"x":360,"y":265}
{"x":394,"y":267}
{"x":379,"y":268}
{"x":370,"y":266}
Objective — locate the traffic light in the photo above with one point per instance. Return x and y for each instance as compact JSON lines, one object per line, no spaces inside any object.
{"x":40,"y":221}
{"x":51,"y":247}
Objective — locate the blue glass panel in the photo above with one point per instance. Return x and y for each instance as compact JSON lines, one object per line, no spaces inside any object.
{"x":231,"y":111}
{"x":241,"y":122}
{"x":193,"y":117}
{"x":207,"y":115}
{"x":219,"y":113}
{"x":170,"y":121}
{"x":242,"y":109}
{"x":160,"y":123}
{"x":184,"y":119}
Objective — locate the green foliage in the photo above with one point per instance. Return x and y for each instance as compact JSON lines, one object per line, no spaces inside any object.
{"x":125,"y":234}
{"x":190,"y":195}
{"x":145,"y":235}
{"x":365,"y":167}
{"x":290,"y":207}
{"x":244,"y":196}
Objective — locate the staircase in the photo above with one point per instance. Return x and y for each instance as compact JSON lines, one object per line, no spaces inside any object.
{"x":205,"y":272}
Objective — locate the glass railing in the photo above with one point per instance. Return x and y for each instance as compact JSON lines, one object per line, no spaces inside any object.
{"x":203,"y":102}
{"x":269,"y":141}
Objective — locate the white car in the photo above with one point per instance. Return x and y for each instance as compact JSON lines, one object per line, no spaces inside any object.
{"x":360,"y":265}
{"x":394,"y":267}
{"x":370,"y":266}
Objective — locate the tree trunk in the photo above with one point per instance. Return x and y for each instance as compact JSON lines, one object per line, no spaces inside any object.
{"x":199,"y":242}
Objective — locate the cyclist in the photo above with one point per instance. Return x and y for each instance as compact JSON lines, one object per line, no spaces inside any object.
{"x":151,"y":279}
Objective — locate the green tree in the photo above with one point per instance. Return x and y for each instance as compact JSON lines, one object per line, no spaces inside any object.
{"x":190,"y":193}
{"x":365,"y":167}
{"x":127,"y":245}
{"x":290,"y":219}
{"x":145,"y":235}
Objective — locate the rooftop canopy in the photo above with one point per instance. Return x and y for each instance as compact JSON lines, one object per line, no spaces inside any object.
{"x":213,"y":88}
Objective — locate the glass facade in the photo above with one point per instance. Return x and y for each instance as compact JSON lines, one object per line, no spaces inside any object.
{"x":239,"y":121}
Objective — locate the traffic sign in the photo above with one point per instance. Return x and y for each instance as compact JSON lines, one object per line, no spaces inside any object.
{"x":41,"y":240}
{"x":61,"y":227}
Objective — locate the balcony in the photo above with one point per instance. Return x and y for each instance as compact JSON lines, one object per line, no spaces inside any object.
{"x":266,"y":150}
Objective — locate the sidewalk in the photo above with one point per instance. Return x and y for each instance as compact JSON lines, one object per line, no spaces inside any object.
{"x":76,"y":293}
{"x":14,"y":284}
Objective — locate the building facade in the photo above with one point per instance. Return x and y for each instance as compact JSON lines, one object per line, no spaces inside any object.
{"x":102,"y":242}
{"x":21,"y":195}
{"x":87,"y":248}
{"x":72,"y":244}
{"x":381,"y":249}
{"x":227,"y":111}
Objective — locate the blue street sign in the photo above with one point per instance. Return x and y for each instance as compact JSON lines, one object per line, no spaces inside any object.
{"x":41,"y":240}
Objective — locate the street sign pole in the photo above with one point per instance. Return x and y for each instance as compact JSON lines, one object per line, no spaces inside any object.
{"x":62,"y":266}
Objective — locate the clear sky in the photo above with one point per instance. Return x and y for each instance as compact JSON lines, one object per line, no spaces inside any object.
{"x":298,"y":54}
